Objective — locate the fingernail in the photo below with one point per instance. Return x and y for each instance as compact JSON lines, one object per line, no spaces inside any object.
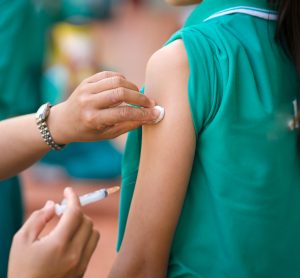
{"x":67,"y":190}
{"x":155,"y":113}
{"x":48,"y":204}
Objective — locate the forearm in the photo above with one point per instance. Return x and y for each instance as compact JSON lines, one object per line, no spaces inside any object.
{"x":134,"y":263}
{"x":21,"y":145}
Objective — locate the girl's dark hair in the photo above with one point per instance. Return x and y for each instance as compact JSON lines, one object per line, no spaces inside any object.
{"x":288,"y":31}
{"x":288,"y":27}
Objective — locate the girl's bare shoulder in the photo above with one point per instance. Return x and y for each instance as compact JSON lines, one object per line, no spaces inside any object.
{"x":166,"y":68}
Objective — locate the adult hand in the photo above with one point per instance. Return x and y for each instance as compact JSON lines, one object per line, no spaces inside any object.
{"x":96,"y":110}
{"x":64,"y":252}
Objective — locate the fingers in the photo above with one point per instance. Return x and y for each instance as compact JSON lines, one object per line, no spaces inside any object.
{"x":128,"y":114}
{"x":88,"y":251}
{"x":37,"y":221}
{"x":96,"y":106}
{"x":71,"y":197}
{"x":110,"y":84}
{"x":83,"y":234}
{"x":108,"y":80}
{"x":119,"y":129}
{"x":102,"y":75}
{"x":113,"y":90}
{"x":112,"y":98}
{"x":72,"y":217}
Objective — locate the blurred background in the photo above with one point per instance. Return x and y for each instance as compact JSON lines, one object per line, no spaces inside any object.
{"x":71,"y":40}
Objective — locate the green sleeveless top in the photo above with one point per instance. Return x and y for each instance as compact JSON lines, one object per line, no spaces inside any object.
{"x":241,"y":215}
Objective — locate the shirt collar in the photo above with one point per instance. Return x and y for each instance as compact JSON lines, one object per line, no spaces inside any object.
{"x":209,"y":7}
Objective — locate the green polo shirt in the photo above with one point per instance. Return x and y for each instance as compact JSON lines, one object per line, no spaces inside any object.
{"x":241,"y":215}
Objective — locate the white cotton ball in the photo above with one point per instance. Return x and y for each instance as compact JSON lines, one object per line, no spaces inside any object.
{"x":162,"y":113}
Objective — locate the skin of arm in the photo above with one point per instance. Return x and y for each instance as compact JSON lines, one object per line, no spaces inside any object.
{"x":166,"y":161}
{"x":21,"y":145}
{"x":93,"y":112}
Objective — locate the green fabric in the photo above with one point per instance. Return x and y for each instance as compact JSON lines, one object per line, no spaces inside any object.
{"x":241,"y":211}
{"x":21,"y":41}
{"x":86,"y":9}
{"x":11,"y":218}
{"x":20,"y":62}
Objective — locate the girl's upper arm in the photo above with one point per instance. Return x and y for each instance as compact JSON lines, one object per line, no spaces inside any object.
{"x":166,"y":160}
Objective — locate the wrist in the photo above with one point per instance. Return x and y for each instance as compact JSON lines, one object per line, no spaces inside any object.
{"x":57,"y":128}
{"x":42,"y":116}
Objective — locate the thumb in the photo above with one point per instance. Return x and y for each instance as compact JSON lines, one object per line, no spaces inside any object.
{"x":38,"y":220}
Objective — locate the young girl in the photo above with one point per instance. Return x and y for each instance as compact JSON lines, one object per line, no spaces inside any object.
{"x":214,"y":189}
